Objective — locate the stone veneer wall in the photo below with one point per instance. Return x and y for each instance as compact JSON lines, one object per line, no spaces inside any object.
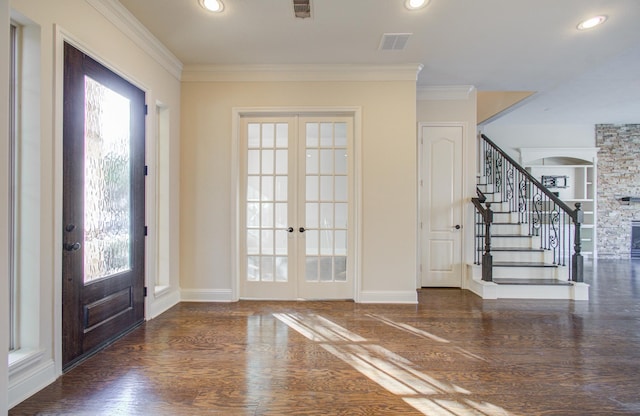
{"x":618,"y":176}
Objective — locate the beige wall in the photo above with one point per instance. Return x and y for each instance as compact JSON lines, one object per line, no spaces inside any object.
{"x":80,"y":22}
{"x":388,"y":212}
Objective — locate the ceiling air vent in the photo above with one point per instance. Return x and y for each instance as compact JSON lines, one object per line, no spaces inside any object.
{"x":302,"y":8}
{"x":394,"y":41}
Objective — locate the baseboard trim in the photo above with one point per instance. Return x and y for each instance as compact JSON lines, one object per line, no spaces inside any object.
{"x":206,"y":295}
{"x":164,"y":302}
{"x":26,"y":385}
{"x":375,"y":296}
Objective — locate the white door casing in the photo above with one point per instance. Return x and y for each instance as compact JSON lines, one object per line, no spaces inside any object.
{"x":441,"y":200}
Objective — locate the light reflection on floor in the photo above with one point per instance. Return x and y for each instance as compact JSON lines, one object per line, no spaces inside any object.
{"x":424,"y":334}
{"x":389,"y":370}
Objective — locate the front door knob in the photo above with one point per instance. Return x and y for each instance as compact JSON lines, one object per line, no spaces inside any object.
{"x":301,"y":229}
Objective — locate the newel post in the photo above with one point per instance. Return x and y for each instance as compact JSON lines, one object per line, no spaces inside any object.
{"x":487,"y":258}
{"x":577,"y":259}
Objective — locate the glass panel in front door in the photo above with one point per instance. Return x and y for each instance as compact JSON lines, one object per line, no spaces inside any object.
{"x":267,"y":241}
{"x":326,"y":201}
{"x":107,"y":241}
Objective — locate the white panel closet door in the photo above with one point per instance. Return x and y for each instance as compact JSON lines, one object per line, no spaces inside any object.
{"x":441,"y":206}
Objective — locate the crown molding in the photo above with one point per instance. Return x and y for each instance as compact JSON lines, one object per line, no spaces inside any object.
{"x":280,"y":73}
{"x":445,"y":92}
{"x":117,"y":14}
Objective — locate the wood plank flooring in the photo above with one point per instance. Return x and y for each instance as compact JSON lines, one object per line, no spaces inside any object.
{"x":452,"y":354}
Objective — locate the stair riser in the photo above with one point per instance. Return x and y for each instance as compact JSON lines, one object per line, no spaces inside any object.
{"x":520,"y":242}
{"x":520,"y":229}
{"x":525,"y":273}
{"x":522,"y":273}
{"x":485,"y":188}
{"x":506,"y":217}
{"x":522,"y":256}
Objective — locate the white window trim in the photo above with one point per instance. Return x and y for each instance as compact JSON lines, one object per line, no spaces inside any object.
{"x":27,"y":227}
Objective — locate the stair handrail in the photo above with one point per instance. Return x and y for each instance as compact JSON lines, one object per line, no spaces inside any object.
{"x":566,"y":208}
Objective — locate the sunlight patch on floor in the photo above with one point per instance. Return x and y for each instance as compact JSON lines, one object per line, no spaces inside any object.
{"x":394,"y":373}
{"x":424,"y":334}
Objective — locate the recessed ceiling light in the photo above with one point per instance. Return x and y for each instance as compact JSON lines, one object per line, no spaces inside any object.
{"x":593,"y":22}
{"x":215,"y":6}
{"x":415,"y":4}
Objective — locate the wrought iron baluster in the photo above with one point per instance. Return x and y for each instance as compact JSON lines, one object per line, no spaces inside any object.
{"x":554,"y":238}
{"x":522,"y":205}
{"x":510,"y":188}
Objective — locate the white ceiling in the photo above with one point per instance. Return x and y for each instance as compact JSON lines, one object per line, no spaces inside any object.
{"x":496,"y":45}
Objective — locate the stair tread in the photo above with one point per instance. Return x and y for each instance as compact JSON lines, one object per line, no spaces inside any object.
{"x":543,"y":282}
{"x":522,"y":264}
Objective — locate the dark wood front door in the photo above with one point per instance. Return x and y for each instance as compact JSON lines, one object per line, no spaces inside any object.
{"x":103,"y":207}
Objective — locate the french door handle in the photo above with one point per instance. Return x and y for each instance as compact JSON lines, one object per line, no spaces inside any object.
{"x":301,"y":229}
{"x":290,"y":229}
{"x":71,"y":247}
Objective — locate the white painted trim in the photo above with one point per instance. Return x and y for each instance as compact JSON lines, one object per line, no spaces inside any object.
{"x":22,"y":359}
{"x":4,"y":212}
{"x":162,"y":302}
{"x":236,"y":113}
{"x":357,"y":169}
{"x":60,"y":36}
{"x":31,"y":382}
{"x":120,"y":17}
{"x":542,"y":292}
{"x":388,"y":296}
{"x":445,"y":92}
{"x":281,"y":73}
{"x":529,"y":154}
{"x":207,"y":295}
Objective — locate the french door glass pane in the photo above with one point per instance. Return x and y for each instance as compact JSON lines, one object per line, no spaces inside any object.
{"x":107,"y":244}
{"x":326,"y":205}
{"x":267,"y":243}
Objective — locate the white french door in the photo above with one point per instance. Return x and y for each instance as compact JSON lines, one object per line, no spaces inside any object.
{"x":295,"y":240}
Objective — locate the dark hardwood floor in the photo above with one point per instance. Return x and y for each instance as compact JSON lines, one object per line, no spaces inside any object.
{"x":452,"y":354}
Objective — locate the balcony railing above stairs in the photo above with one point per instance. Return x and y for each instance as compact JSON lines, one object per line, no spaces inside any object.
{"x":547,"y":219}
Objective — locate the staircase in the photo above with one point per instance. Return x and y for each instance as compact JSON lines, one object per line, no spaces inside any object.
{"x":525,"y":235}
